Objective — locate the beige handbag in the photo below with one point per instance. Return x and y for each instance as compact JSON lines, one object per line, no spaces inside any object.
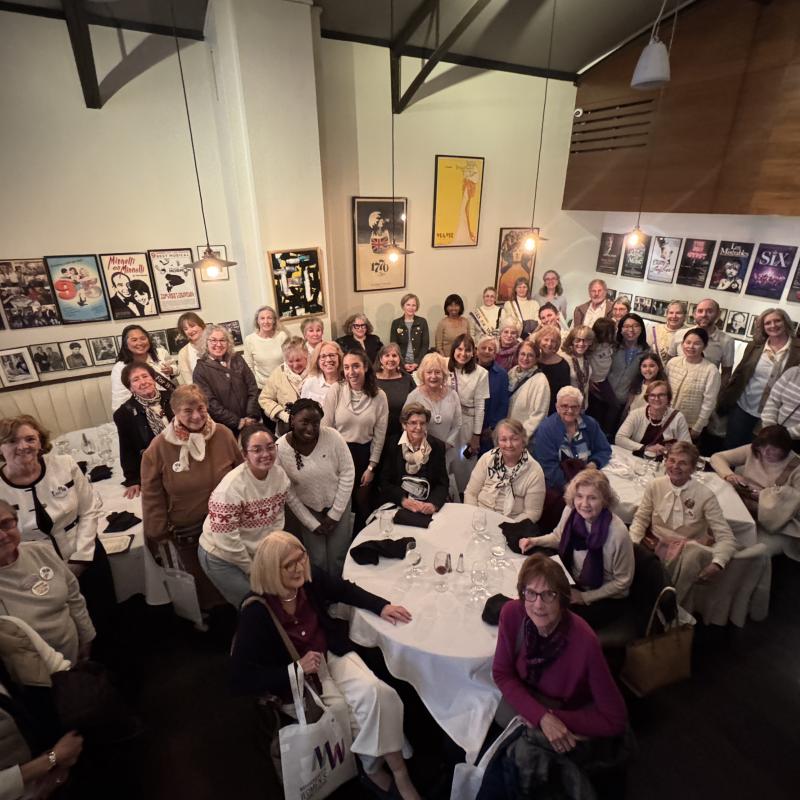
{"x":661,"y":659}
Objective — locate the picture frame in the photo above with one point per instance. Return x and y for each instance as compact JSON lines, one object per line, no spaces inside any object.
{"x":737,"y":323}
{"x":722,"y":319}
{"x":730,"y":266}
{"x":176,"y":340}
{"x":79,"y":290}
{"x":610,"y":252}
{"x":76,"y":353}
{"x":47,"y":358}
{"x":219,"y":251}
{"x":457,"y":193}
{"x":770,"y":273}
{"x":104,"y":350}
{"x":26,"y":294}
{"x":297,"y":278}
{"x":513,"y":261}
{"x":159,"y":339}
{"x":634,"y":258}
{"x":751,"y":327}
{"x":695,"y":262}
{"x":690,"y":314}
{"x":174,"y":280}
{"x":664,"y":259}
{"x":375,"y":220}
{"x":611,"y":294}
{"x":234,"y":327}
{"x":17,"y":367}
{"x":129,"y":283}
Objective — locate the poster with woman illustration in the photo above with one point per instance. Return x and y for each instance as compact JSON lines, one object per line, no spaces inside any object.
{"x":130,"y":285}
{"x":664,"y":259}
{"x":457,"y":201}
{"x":79,"y":288}
{"x":514,"y":261}
{"x":733,"y":258}
{"x":175,"y":281}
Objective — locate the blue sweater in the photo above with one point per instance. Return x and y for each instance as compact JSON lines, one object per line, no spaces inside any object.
{"x":496,"y":407}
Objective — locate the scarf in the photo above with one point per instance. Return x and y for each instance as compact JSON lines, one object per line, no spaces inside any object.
{"x":414,"y":459}
{"x":504,"y":477}
{"x":517,"y":376}
{"x":295,"y":380}
{"x":191,"y":444}
{"x":574,"y":537}
{"x":506,"y":356}
{"x":581,"y":374}
{"x":541,"y":651}
{"x":153,"y":411}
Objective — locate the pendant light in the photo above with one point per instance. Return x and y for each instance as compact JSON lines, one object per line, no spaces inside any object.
{"x":212,"y":264}
{"x":652,"y":69}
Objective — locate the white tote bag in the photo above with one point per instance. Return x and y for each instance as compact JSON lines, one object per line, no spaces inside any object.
{"x":315,"y":757}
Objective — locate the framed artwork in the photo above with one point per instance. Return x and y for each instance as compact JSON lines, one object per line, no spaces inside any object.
{"x":17,"y":367}
{"x":611,"y":294}
{"x":770,"y":271}
{"x":374,"y":221}
{"x":730,"y":266}
{"x":76,"y":353}
{"x":721,"y":319}
{"x":47,"y":358}
{"x":175,"y":281}
{"x":663,"y":259}
{"x":26,"y":294}
{"x":751,"y":328}
{"x":690,"y":314}
{"x":130,"y":285}
{"x":220,"y":251}
{"x":458,"y":186}
{"x":235,"y":329}
{"x":737,"y":323}
{"x":104,"y":350}
{"x":175,"y":340}
{"x":78,"y":288}
{"x":513,"y":261}
{"x":297,"y":278}
{"x":159,"y":339}
{"x":610,"y":252}
{"x":634,"y":257}
{"x":695,"y":262}
{"x":118,"y":340}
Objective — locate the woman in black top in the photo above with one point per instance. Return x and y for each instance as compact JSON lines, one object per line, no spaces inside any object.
{"x":553,"y":366}
{"x":410,"y":332}
{"x":396,"y":383}
{"x":359,"y":336}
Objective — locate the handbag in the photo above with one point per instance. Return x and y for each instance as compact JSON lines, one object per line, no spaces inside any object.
{"x":658,"y":659}
{"x":180,"y":586}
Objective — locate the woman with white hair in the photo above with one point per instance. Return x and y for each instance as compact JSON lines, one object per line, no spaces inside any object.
{"x":508,"y":343}
{"x":262,"y":348}
{"x":283,"y":385}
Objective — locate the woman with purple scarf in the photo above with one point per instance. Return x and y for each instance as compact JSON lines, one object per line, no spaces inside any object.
{"x":594,"y":546}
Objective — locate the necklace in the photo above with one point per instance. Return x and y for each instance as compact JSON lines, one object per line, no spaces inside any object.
{"x":289,"y":599}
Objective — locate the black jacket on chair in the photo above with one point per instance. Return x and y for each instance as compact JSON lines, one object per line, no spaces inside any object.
{"x":135,"y":435}
{"x":393,"y":470}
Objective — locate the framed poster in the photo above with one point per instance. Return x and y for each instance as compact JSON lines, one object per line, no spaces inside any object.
{"x":610,"y":252}
{"x":76,"y":353}
{"x":175,"y":341}
{"x":78,"y":287}
{"x":159,"y":339}
{"x":374,"y":221}
{"x":634,"y":257}
{"x":235,"y":330}
{"x":690,"y":314}
{"x":771,"y":270}
{"x":721,"y":319}
{"x":297,"y":278}
{"x":16,"y":367}
{"x":47,"y":358}
{"x":458,"y":186}
{"x":26,"y":294}
{"x":695,"y":261}
{"x":611,"y":294}
{"x":730,"y":267}
{"x":130,"y":285}
{"x":664,"y":259}
{"x":104,"y":350}
{"x":737,"y":323}
{"x":513,"y":261}
{"x":219,"y":251}
{"x":175,"y":281}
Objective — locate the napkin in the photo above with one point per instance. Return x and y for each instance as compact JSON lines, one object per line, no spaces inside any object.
{"x":120,"y":521}
{"x":514,"y":531}
{"x":414,"y":518}
{"x":99,"y":473}
{"x":369,"y":552}
{"x":494,"y":605}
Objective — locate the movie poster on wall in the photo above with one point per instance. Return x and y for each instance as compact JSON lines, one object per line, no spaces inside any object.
{"x":664,"y":259}
{"x":730,"y":266}
{"x":78,"y":287}
{"x":770,"y":271}
{"x":514,"y":261}
{"x":457,"y":201}
{"x":610,"y":252}
{"x":175,"y":281}
{"x":376,"y":221}
{"x":634,"y":258}
{"x":130,"y":285}
{"x":26,"y":294}
{"x":695,"y":262}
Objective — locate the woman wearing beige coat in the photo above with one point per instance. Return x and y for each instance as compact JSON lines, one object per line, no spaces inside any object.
{"x":282,"y":387}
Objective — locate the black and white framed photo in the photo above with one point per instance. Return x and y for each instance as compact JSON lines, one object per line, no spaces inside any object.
{"x":175,"y":281}
{"x":690,"y":313}
{"x":17,"y":367}
{"x":610,"y":251}
{"x":642,"y":304}
{"x":722,"y":319}
{"x":235,"y":330}
{"x":218,"y":273}
{"x":47,"y":358}
{"x":751,"y":328}
{"x":611,"y":294}
{"x":104,"y":350}
{"x":130,"y":285}
{"x":76,"y":353}
{"x":737,"y":323}
{"x":175,"y":340}
{"x":26,"y":294}
{"x":78,"y":288}
{"x":159,"y":340}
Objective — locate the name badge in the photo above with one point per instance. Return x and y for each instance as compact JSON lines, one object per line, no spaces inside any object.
{"x":59,"y":491}
{"x":40,"y":588}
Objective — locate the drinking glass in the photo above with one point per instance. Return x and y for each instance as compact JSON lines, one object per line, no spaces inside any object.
{"x":479,"y":524}
{"x":650,"y":461}
{"x":639,"y":471}
{"x":440,"y":568}
{"x":106,"y":450}
{"x":386,"y":519}
{"x":414,"y":561}
{"x":479,"y":578}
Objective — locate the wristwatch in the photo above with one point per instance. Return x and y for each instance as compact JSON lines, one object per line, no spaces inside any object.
{"x":53,"y":761}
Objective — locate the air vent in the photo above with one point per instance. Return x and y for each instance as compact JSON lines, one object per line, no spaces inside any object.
{"x":622,"y":126}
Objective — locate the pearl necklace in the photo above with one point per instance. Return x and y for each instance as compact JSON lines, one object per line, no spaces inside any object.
{"x":289,"y":599}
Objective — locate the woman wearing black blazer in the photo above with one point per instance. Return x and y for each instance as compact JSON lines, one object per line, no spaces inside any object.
{"x":410,"y":325}
{"x":359,"y":336}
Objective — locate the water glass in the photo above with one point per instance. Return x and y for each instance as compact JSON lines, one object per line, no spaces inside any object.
{"x":386,"y":521}
{"x":479,"y":578}
{"x":440,"y":568}
{"x":479,"y":524}
{"x":414,"y":561}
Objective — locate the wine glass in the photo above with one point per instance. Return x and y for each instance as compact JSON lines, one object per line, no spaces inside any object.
{"x":414,"y":560}
{"x":479,"y":578}
{"x":440,"y":568}
{"x":386,"y":518}
{"x":650,"y":461}
{"x":479,"y":524}
{"x":639,"y":471}
{"x":498,"y":551}
{"x":106,"y":450}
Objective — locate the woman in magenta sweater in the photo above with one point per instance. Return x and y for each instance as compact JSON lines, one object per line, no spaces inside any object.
{"x":550,"y":669}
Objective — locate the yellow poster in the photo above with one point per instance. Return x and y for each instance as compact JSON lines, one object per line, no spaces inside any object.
{"x":457,"y":201}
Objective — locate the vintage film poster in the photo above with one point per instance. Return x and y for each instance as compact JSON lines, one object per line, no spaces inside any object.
{"x":458,"y":187}
{"x":47,"y":358}
{"x":634,"y":258}
{"x":695,"y":262}
{"x":737,"y":323}
{"x":375,"y":221}
{"x":610,"y":252}
{"x":104,"y":350}
{"x":76,"y":353}
{"x":663,"y":259}
{"x":26,"y":294}
{"x":218,"y":251}
{"x":235,"y":329}
{"x":297,"y":279}
{"x":129,"y":284}
{"x":79,"y":288}
{"x":514,"y":261}
{"x":175,"y":281}
{"x":770,"y":271}
{"x":159,"y":340}
{"x":730,"y":266}
{"x":17,"y":367}
{"x":176,"y":340}
{"x":794,"y":289}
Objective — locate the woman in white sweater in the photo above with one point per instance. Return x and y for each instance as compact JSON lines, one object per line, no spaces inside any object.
{"x":529,"y":390}
{"x":694,"y":381}
{"x":245,"y":507}
{"x":263,"y":348}
{"x":521,"y":308}
{"x":320,"y":468}
{"x":191,"y":325}
{"x":655,"y":426}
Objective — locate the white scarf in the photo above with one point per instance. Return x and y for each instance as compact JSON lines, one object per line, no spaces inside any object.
{"x":191,"y":444}
{"x":673,"y":510}
{"x":414,"y":458}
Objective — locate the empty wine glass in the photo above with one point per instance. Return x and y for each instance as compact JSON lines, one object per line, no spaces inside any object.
{"x":479,"y":578}
{"x":650,"y":461}
{"x":440,"y":568}
{"x":106,"y":452}
{"x":639,"y":471}
{"x":414,"y":560}
{"x":498,"y":551}
{"x":479,"y":524}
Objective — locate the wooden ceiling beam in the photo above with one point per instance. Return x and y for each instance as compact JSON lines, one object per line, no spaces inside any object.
{"x":78,"y":27}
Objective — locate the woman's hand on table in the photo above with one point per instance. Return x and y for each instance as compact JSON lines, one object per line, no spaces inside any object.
{"x":736,"y":480}
{"x":132,"y":491}
{"x":310,"y":662}
{"x":557,"y":733}
{"x":395,"y":614}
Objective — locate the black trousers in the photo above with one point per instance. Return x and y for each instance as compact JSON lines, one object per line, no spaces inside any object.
{"x":361,"y":494}
{"x":97,"y":588}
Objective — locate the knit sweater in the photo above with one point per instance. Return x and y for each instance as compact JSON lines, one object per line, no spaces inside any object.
{"x":694,"y":390}
{"x":242,"y":510}
{"x":361,"y":422}
{"x":263,"y":355}
{"x":530,"y":402}
{"x":449,"y":410}
{"x":579,"y":678}
{"x":783,"y":404}
{"x":447,"y":331}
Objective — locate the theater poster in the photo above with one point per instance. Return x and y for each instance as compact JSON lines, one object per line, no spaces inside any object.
{"x":770,"y":272}
{"x":664,"y":259}
{"x":514,"y":261}
{"x":375,"y":221}
{"x":634,"y":259}
{"x":610,"y":252}
{"x":695,"y":262}
{"x":78,"y":287}
{"x":175,"y":281}
{"x":730,"y":267}
{"x":457,"y":201}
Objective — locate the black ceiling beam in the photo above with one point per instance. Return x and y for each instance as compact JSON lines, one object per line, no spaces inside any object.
{"x":81,"y":41}
{"x":418,"y":16}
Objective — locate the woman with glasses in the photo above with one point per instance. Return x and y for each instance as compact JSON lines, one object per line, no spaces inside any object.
{"x":324,"y":371}
{"x":631,"y":345}
{"x":576,"y":350}
{"x":550,"y":669}
{"x":359,"y":336}
{"x":245,"y":507}
{"x":652,"y":428}
{"x":286,"y":618}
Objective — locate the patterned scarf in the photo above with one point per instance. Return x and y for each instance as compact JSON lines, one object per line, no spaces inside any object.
{"x":191,"y":443}
{"x":153,"y":411}
{"x":499,"y":472}
{"x":414,"y":458}
{"x":541,"y":651}
{"x":517,"y":376}
{"x":574,"y":537}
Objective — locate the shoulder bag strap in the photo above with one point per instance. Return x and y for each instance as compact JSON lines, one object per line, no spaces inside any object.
{"x":660,"y":438}
{"x":522,"y":383}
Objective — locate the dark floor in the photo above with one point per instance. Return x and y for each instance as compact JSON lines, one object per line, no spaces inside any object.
{"x":732,"y":731}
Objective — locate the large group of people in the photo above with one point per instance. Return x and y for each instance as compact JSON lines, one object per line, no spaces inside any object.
{"x":256,"y":471}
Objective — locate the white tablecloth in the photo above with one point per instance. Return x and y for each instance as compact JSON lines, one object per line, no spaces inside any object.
{"x":446,"y":652}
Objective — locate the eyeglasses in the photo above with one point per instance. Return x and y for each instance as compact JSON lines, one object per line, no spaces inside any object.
{"x":656,"y":395}
{"x":259,"y":449}
{"x":359,"y":325}
{"x":547,"y":597}
{"x":297,"y":563}
{"x":329,"y":357}
{"x":217,"y":341}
